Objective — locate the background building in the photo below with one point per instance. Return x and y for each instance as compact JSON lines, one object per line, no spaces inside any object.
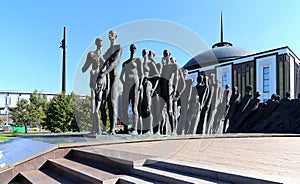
{"x":10,"y":99}
{"x":270,"y":72}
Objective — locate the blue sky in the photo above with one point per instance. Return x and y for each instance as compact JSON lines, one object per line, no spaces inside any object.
{"x":31,"y":31}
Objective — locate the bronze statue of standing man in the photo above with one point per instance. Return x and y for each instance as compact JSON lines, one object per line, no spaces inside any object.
{"x":111,"y":68}
{"x":98,"y":90}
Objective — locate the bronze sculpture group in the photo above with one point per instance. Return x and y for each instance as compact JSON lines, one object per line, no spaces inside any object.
{"x":164,"y":101}
{"x":104,"y":82}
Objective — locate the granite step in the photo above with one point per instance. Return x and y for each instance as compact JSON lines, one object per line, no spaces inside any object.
{"x":80,"y":173}
{"x":34,"y":176}
{"x":58,"y":176}
{"x":176,"y":166}
{"x":113,"y":158}
{"x":163,"y":176}
{"x":185,"y":168}
{"x":130,"y":164}
{"x":133,"y":180}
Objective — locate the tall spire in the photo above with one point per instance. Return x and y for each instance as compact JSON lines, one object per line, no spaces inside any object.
{"x":221,"y":28}
{"x":222,"y":43}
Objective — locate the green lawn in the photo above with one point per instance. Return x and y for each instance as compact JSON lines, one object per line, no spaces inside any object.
{"x":6,"y":136}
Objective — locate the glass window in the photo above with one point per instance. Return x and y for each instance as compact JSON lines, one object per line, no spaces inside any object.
{"x":224,"y":80}
{"x":266,"y":89}
{"x":252,"y":75}
{"x":235,"y":78}
{"x":281,"y":79}
{"x":266,"y":79}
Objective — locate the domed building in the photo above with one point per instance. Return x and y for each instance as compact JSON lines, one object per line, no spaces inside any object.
{"x":220,"y":53}
{"x":273,"y":71}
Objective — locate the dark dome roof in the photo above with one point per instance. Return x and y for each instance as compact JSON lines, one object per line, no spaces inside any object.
{"x":216,"y":55}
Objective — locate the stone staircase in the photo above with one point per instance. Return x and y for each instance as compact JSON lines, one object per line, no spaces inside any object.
{"x":98,"y":165}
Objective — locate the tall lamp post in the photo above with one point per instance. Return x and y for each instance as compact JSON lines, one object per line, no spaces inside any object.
{"x":63,"y":46}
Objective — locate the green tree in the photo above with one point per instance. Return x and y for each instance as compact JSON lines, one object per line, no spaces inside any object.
{"x":20,"y":114}
{"x":39,"y":100}
{"x":37,"y":108}
{"x":30,"y":112}
{"x":81,"y":107}
{"x":82,"y":111}
{"x":60,"y":114}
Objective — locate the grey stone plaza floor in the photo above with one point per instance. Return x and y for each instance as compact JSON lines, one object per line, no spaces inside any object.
{"x":265,"y":156}
{"x":274,"y":158}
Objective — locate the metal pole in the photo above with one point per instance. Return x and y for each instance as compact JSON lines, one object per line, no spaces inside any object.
{"x":63,"y":46}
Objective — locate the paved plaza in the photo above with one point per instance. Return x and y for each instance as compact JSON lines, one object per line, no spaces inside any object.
{"x":275,"y":158}
{"x":265,"y":157}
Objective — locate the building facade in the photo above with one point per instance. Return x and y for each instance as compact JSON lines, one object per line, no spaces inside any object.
{"x":270,"y":72}
{"x":274,"y":71}
{"x":10,"y":98}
